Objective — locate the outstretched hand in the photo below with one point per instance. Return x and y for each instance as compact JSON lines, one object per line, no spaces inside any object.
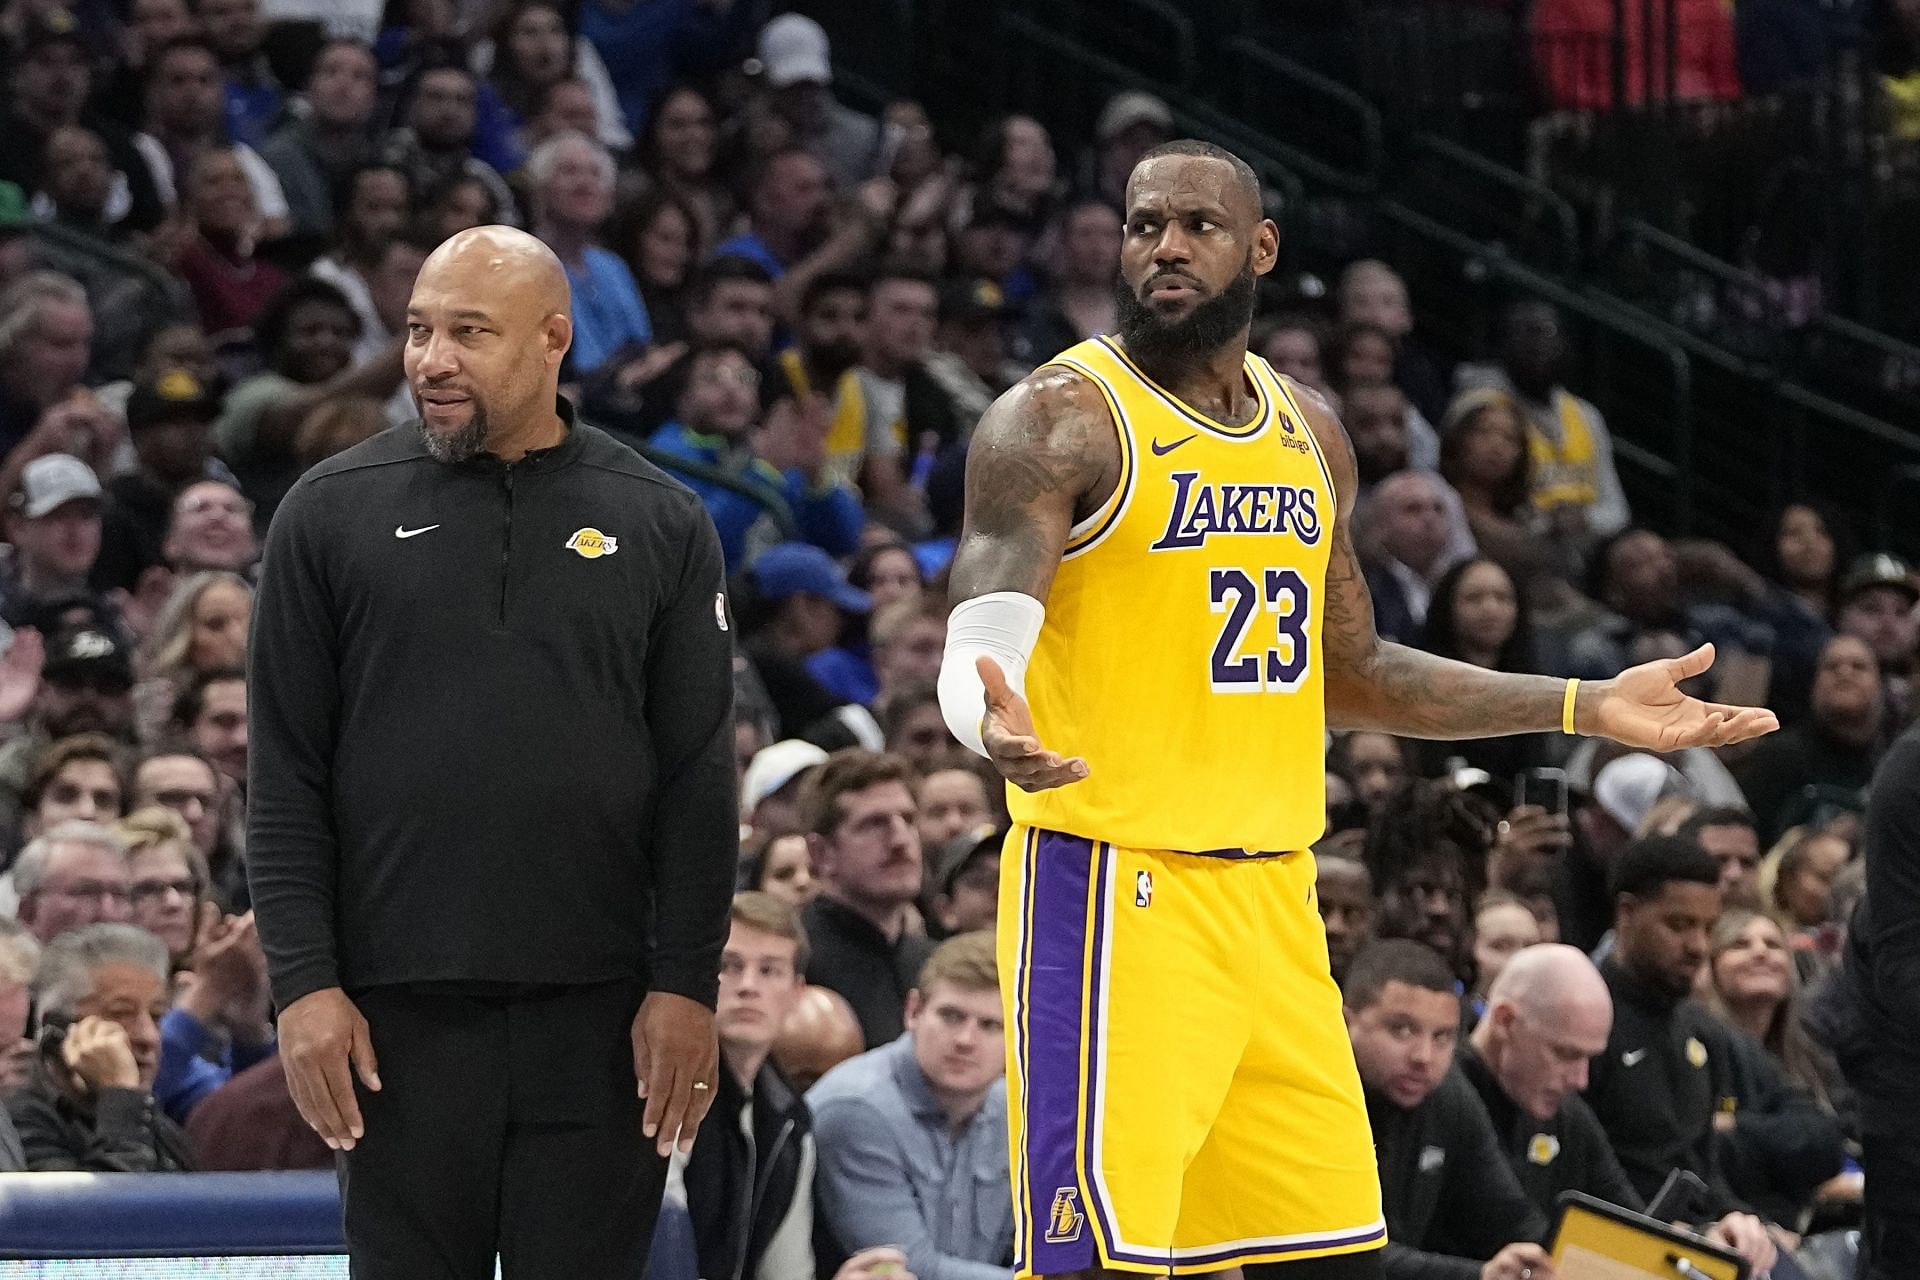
{"x":1007,"y":732}
{"x":1643,"y":707}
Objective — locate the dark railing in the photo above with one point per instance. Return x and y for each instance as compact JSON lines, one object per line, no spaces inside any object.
{"x":1490,"y":202}
{"x":1638,"y":378}
{"x":1312,"y":113}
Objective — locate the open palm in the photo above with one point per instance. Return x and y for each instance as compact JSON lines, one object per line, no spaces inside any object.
{"x":1644,"y":707}
{"x":1008,"y":734}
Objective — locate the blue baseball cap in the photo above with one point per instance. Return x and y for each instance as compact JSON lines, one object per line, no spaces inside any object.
{"x":791,"y":568}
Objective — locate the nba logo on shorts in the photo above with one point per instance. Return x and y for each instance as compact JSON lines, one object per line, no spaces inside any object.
{"x":1143,"y":889}
{"x":1064,"y":1220}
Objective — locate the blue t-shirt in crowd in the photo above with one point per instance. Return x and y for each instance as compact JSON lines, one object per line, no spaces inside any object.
{"x":829,"y":518}
{"x":252,"y":110}
{"x":648,"y":46}
{"x":608,"y":312}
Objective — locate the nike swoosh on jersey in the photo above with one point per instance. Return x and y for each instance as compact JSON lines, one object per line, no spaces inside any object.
{"x":1162,"y":450}
{"x":1632,"y":1057}
{"x":401,"y":531}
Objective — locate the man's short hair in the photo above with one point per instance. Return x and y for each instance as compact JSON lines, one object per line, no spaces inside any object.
{"x":22,"y":302}
{"x":1396,"y":960}
{"x":1249,"y":181}
{"x":276,"y":318}
{"x":1646,"y":867}
{"x":1376,"y":388}
{"x":63,"y":752}
{"x":846,"y":771}
{"x":193,"y":699}
{"x":768,"y":914}
{"x":763,"y":171}
{"x":896,"y":616}
{"x":173,"y":749}
{"x":898,"y":272}
{"x":172,"y":46}
{"x":349,"y":186}
{"x":19,"y":953}
{"x":718,"y":271}
{"x":1718,"y":816}
{"x":68,"y":963}
{"x":906,"y":700}
{"x":966,"y":962}
{"x":832,"y":282}
{"x":540,"y":166}
{"x":30,"y":868}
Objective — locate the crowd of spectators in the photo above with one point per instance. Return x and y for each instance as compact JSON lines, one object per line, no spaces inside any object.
{"x":800,"y":310}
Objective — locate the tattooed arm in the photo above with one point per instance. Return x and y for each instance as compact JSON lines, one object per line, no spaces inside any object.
{"x":1374,"y":684}
{"x":1045,"y":453}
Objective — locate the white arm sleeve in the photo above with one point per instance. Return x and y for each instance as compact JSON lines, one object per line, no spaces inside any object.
{"x":1003,"y":625}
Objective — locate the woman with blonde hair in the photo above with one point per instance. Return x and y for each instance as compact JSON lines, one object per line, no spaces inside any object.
{"x":202,"y":627}
{"x":1751,"y":983}
{"x":169,"y":878}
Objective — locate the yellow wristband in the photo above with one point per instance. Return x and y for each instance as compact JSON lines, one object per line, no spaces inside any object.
{"x":1566,"y":709}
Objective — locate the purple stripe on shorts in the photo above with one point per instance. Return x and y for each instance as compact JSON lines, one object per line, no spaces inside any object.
{"x":1062,"y":1237}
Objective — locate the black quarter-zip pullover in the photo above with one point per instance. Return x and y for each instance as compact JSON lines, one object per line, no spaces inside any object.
{"x":491,"y":723}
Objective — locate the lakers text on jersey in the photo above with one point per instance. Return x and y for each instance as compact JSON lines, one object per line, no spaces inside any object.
{"x":1181,"y":654}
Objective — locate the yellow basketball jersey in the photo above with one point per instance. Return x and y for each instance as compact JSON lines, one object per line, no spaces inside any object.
{"x":1181,"y":652}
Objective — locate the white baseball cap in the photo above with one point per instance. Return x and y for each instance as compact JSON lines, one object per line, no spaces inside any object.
{"x":53,"y":480}
{"x":1629,"y":787}
{"x":773,"y":767}
{"x":794,"y":49}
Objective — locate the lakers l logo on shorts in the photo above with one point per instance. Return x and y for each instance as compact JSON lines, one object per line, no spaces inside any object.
{"x":591,"y":544}
{"x":1065,"y":1219}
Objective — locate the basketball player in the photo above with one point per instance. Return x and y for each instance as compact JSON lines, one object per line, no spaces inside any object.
{"x":1160,"y":614}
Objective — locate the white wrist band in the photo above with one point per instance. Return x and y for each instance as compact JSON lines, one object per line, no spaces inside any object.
{"x":1002,"y":625}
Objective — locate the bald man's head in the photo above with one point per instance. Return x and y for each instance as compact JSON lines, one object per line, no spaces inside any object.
{"x":1194,"y":247}
{"x":487,"y":328}
{"x":1548,"y":1014}
{"x":819,"y":1034}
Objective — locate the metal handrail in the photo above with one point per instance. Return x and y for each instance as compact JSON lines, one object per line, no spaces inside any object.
{"x":1371,"y":130}
{"x":1564,"y":221}
{"x":1280,"y":167}
{"x":1186,"y":42}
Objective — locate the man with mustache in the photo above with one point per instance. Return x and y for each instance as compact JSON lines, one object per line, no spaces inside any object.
{"x":1160,"y":616}
{"x":492,"y":826}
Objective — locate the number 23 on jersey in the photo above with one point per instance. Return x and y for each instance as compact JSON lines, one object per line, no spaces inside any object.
{"x":1253,"y":654}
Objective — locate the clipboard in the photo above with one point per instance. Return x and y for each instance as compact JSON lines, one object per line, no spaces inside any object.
{"x":1594,"y":1240}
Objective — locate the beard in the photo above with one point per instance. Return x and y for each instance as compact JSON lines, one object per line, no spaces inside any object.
{"x":462,"y":443}
{"x":1176,"y":345}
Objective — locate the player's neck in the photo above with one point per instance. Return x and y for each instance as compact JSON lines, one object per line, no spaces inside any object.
{"x":1215,"y":384}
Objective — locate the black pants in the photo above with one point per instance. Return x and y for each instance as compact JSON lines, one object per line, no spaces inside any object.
{"x":507,"y":1123}
{"x":1890,"y":1234}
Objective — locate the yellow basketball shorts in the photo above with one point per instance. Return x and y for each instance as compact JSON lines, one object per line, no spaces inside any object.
{"x":1181,"y":1094}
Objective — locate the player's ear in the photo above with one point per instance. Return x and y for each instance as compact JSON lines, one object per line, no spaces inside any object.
{"x":817,"y":851}
{"x":1266,"y":247}
{"x":914,"y":1004}
{"x":559,"y":337}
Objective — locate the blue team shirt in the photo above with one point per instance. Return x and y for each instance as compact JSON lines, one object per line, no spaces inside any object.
{"x":608,"y":312}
